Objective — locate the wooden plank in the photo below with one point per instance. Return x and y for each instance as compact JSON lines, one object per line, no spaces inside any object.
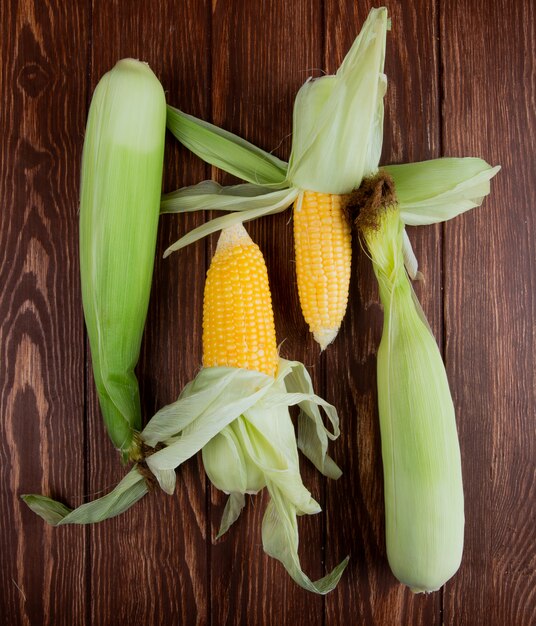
{"x":262,"y":53}
{"x":157,"y":551}
{"x":355,"y":507}
{"x":160,"y":562}
{"x":490,"y":307}
{"x":43,"y":93}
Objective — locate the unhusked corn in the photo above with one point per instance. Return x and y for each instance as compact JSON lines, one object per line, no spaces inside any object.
{"x":120,"y":186}
{"x":238,"y":320}
{"x":323,"y":248}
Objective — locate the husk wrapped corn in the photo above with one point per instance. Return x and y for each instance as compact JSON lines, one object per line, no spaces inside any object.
{"x":119,"y":206}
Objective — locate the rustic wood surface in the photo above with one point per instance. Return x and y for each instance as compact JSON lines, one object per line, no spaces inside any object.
{"x":462,"y":81}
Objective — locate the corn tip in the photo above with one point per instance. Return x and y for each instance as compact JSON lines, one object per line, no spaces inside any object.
{"x":325,"y":336}
{"x":233,"y":236}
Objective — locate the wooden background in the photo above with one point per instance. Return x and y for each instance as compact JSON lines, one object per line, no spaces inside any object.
{"x":462,"y":81}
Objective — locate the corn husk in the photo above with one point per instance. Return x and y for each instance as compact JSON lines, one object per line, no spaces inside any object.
{"x":338,"y":120}
{"x":337,"y":141}
{"x":248,"y":443}
{"x":256,"y":202}
{"x":119,"y":206}
{"x":240,"y":421}
{"x":441,"y":189}
{"x":127,"y":492}
{"x":227,"y":151}
{"x":424,"y":511}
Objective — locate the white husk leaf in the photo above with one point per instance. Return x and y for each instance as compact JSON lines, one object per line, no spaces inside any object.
{"x":208,"y":195}
{"x":280,"y":540}
{"x":410,"y":260}
{"x":240,"y":420}
{"x":312,"y":434}
{"x":233,"y":507}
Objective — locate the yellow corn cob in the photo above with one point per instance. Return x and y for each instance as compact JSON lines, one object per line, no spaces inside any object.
{"x":238,"y":320}
{"x":323,"y":248}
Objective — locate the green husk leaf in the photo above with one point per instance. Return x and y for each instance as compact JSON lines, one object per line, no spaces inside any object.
{"x":166,"y":479}
{"x":337,"y":139}
{"x":264,"y":439}
{"x":119,"y":208}
{"x":131,"y":489}
{"x":438,"y":190}
{"x":410,"y":260}
{"x":240,"y":420}
{"x":280,"y":540}
{"x":231,"y":396}
{"x":212,"y":387}
{"x":210,"y":196}
{"x":338,"y":120}
{"x":420,"y":450}
{"x":226,"y":150}
{"x":312,"y":434}
{"x":233,"y":507}
{"x":225,"y":451}
{"x":265,"y":205}
{"x":269,"y":441}
{"x":52,"y":511}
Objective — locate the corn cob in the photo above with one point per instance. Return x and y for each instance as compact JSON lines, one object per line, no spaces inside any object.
{"x":238,"y":321}
{"x":323,"y":249}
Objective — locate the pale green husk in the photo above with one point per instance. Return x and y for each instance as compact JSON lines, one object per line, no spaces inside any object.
{"x":242,"y":424}
{"x":338,"y":120}
{"x":441,"y":189}
{"x":245,"y":208}
{"x":119,"y":206}
{"x":424,"y":509}
{"x":436,"y":191}
{"x":225,"y":150}
{"x":240,"y":420}
{"x":428,"y":191}
{"x":337,"y":139}
{"x":129,"y":490}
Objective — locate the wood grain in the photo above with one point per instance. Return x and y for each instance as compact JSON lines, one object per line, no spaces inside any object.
{"x":355,"y":510}
{"x":41,"y":333}
{"x":462,"y":81}
{"x":490,"y":306}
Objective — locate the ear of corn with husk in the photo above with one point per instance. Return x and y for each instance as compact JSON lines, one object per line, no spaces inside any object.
{"x":424,"y":510}
{"x":119,"y":206}
{"x":337,"y":140}
{"x":337,"y":137}
{"x":236,"y":411}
